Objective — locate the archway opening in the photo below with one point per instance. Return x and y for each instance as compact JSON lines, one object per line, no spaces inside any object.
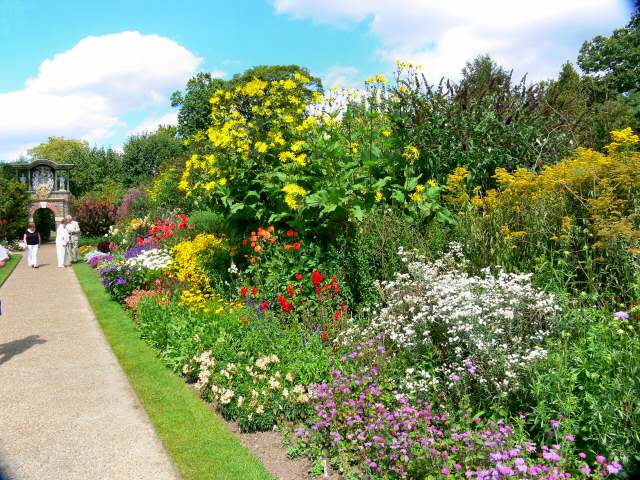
{"x":45,"y":221}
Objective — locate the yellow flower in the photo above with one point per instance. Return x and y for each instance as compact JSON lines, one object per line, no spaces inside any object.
{"x":386,"y":133}
{"x":411,"y":153}
{"x":293,"y":194}
{"x":379,"y":196}
{"x":261,"y":147}
{"x":420,"y":188}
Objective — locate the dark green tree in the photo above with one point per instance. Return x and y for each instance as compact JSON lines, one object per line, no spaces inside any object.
{"x":14,"y":208}
{"x":148,"y":153}
{"x":617,"y":57}
{"x":483,"y":75}
{"x":193,"y":103}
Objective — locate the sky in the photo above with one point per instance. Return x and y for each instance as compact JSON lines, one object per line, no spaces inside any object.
{"x":102,"y":71}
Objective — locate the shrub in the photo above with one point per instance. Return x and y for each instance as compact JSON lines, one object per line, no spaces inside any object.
{"x":575,"y":222}
{"x":14,"y":208}
{"x":479,"y":332}
{"x":135,"y":203}
{"x":370,"y":250}
{"x":95,"y":216}
{"x":590,"y":378}
{"x":205,"y":221}
{"x":165,"y":192}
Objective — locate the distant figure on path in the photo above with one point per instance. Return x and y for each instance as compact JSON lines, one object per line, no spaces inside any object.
{"x":62,"y":240}
{"x":4,"y":256}
{"x":73,"y":249}
{"x":32,"y":239}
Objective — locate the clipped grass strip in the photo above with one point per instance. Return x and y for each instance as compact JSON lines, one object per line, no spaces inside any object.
{"x":199,"y":443}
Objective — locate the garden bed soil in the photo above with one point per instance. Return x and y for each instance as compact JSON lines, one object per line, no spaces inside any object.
{"x":268,"y":447}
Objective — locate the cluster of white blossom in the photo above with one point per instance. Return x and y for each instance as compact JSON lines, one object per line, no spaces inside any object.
{"x":93,"y":254}
{"x":154,"y":259}
{"x":484,"y":329}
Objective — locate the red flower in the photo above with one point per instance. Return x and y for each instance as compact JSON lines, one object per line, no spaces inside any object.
{"x":291,"y":292}
{"x":287,"y":247}
{"x":290,"y":233}
{"x":296,"y":246}
{"x":254,"y":290}
{"x":316,"y":277}
{"x":184,"y":218}
{"x":299,"y":276}
{"x":336,"y":287}
{"x":245,"y":242}
{"x":338,"y":315}
{"x":140,"y":241}
{"x":285,"y":304}
{"x":344,"y":308}
{"x":182,"y":226}
{"x":272,"y":229}
{"x":324,"y":335}
{"x":253,"y":260}
{"x":244,"y":291}
{"x":265,"y":305}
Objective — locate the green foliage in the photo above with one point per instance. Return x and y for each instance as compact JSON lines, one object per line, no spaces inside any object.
{"x":369,"y":252}
{"x":195,"y":109}
{"x":165,"y":192}
{"x":485,"y":122}
{"x":205,"y":221}
{"x":617,"y":57}
{"x":14,"y":208}
{"x":146,"y":154}
{"x":591,"y":379}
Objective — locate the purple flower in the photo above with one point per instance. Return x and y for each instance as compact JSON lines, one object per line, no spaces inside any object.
{"x":555,"y":423}
{"x":455,"y":377}
{"x":622,"y":315}
{"x":601,"y":459}
{"x":120,"y":281}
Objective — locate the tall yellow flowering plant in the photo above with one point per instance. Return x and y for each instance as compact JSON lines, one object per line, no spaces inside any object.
{"x":581,"y":212}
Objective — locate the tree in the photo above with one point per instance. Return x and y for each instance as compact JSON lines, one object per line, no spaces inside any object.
{"x":483,"y":75}
{"x":94,"y":167}
{"x":194,"y":103}
{"x":14,"y":208}
{"x":616,"y":58}
{"x":148,"y":153}
{"x":195,"y":108}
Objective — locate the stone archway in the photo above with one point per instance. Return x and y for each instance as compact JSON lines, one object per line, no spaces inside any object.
{"x":48,"y":184}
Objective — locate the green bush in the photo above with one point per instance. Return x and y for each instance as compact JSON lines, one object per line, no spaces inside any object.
{"x":591,"y":378}
{"x":205,"y":221}
{"x":370,"y":252}
{"x":14,"y":208}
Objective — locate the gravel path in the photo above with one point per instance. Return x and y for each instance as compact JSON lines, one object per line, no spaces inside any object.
{"x":67,"y":410}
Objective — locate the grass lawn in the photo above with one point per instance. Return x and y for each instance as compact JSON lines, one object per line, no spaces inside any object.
{"x":8,"y":268}
{"x":199,"y":443}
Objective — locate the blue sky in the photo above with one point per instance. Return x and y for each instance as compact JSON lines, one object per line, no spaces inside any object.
{"x":102,"y":70}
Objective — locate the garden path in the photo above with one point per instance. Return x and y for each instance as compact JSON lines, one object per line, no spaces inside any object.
{"x":67,"y":410}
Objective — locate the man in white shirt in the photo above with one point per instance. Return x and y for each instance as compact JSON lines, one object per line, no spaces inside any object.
{"x":73,"y":248}
{"x":62,"y":239}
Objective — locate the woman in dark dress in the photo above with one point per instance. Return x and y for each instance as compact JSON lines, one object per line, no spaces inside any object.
{"x":32,"y":240}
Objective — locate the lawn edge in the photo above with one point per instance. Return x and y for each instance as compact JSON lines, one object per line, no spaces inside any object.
{"x":198,"y":442}
{"x":11,"y":266}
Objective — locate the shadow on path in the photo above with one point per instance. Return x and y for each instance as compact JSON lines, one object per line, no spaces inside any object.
{"x":11,"y":349}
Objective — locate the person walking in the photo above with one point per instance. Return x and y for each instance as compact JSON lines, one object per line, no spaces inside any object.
{"x":74,"y":241}
{"x":62,"y":239}
{"x":32,"y":240}
{"x":4,"y":256}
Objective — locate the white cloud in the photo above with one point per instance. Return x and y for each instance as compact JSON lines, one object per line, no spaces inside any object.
{"x":341,"y":76}
{"x":151,"y":124}
{"x":529,"y":37}
{"x":85,"y":91}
